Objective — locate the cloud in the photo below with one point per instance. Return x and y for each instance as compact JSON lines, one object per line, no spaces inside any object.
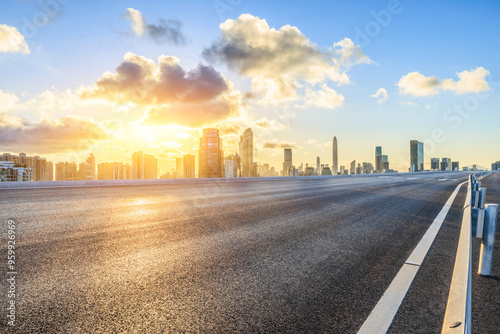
{"x":280,"y":61}
{"x":278,"y":145}
{"x":171,"y":95}
{"x":52,"y":136}
{"x":326,"y":98}
{"x":380,"y":95}
{"x":271,"y":124}
{"x":409,"y":103}
{"x":8,"y":101}
{"x":164,"y":31}
{"x":11,"y":40}
{"x":312,"y":141}
{"x":417,"y":84}
{"x":469,"y":82}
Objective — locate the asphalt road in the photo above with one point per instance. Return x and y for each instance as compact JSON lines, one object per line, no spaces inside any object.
{"x":301,"y":255}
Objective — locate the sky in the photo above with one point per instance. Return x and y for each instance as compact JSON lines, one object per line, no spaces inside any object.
{"x":117,"y":77}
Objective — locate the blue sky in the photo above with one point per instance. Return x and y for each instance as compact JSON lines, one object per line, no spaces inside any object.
{"x":437,"y":39}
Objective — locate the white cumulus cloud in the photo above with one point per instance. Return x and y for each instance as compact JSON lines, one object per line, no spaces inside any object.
{"x":11,"y":40}
{"x":380,"y":95}
{"x":416,"y":84}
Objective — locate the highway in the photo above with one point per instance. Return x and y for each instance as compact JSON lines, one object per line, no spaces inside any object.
{"x":266,"y":255}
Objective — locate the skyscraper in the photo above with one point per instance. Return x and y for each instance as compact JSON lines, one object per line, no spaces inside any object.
{"x":455,"y":165}
{"x":335,"y":165}
{"x":179,"y":167}
{"x":90,"y":170}
{"x":434,"y":163}
{"x":246,"y":153}
{"x":188,"y":166}
{"x":144,"y":166}
{"x":416,"y":156}
{"x":287,"y":164}
{"x":353,"y":167}
{"x":384,"y":162}
{"x":378,"y":157}
{"x":318,"y":171}
{"x":210,"y":156}
{"x":445,"y":164}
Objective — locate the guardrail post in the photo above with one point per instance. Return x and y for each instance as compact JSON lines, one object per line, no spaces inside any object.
{"x":488,"y":242}
{"x":477,"y":214}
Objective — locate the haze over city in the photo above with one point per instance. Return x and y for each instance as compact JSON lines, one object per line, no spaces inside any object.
{"x":150,"y":76}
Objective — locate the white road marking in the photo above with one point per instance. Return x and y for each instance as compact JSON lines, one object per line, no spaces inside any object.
{"x":412,"y":178}
{"x":383,"y":314}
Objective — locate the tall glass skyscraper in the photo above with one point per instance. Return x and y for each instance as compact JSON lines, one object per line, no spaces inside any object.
{"x":416,"y":156}
{"x":378,"y":157}
{"x":211,"y":156}
{"x":287,"y":164}
{"x":335,"y":165}
{"x":246,"y":153}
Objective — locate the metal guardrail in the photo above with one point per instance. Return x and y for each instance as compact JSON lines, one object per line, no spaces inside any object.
{"x":479,"y":220}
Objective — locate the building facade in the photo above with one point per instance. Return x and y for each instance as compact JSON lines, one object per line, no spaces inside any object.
{"x":335,"y":151}
{"x":246,"y":153}
{"x":210,"y":155}
{"x":188,"y":166}
{"x":416,"y":156}
{"x":144,"y":166}
{"x":287,"y":163}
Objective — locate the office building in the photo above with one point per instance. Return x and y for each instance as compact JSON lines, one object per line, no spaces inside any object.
{"x":384,"y":163}
{"x":90,"y":172}
{"x":434,"y":163}
{"x":66,"y":171}
{"x":455,"y":166}
{"x":353,"y":167}
{"x":318,"y":166}
{"x":179,"y":167}
{"x":416,"y":156}
{"x":378,"y":157}
{"x":114,"y":171}
{"x":335,"y":150}
{"x":210,"y":155}
{"x":342,"y":170}
{"x":445,"y":164}
{"x":287,"y":164}
{"x":144,"y":166}
{"x":231,"y":166}
{"x":188,"y":168}
{"x":246,"y":154}
{"x":325,"y":170}
{"x":367,"y":168}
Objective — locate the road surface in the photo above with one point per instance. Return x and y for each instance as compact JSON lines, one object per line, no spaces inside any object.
{"x":301,"y":255}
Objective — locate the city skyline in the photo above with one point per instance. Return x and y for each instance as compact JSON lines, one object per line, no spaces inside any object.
{"x":359,"y":85}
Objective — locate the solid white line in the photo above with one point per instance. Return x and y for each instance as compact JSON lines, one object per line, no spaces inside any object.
{"x":384,"y":312}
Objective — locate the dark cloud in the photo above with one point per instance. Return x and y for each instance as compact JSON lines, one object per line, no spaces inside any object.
{"x":172,"y":95}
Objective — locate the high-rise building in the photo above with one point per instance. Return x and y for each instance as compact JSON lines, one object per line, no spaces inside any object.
{"x":188,"y":169}
{"x":231,"y":166}
{"x":179,"y":167}
{"x":287,"y":164}
{"x":384,"y":163}
{"x":211,"y":155}
{"x":246,"y":153}
{"x":434,"y":163}
{"x":49,"y":172}
{"x":335,"y":150}
{"x":416,"y":156}
{"x":342,"y":170}
{"x":144,"y":166}
{"x":455,"y":166}
{"x":90,"y":172}
{"x":66,"y":171}
{"x":353,"y":167}
{"x":113,"y":171}
{"x":378,"y":157}
{"x":445,"y":164}
{"x":318,"y":171}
